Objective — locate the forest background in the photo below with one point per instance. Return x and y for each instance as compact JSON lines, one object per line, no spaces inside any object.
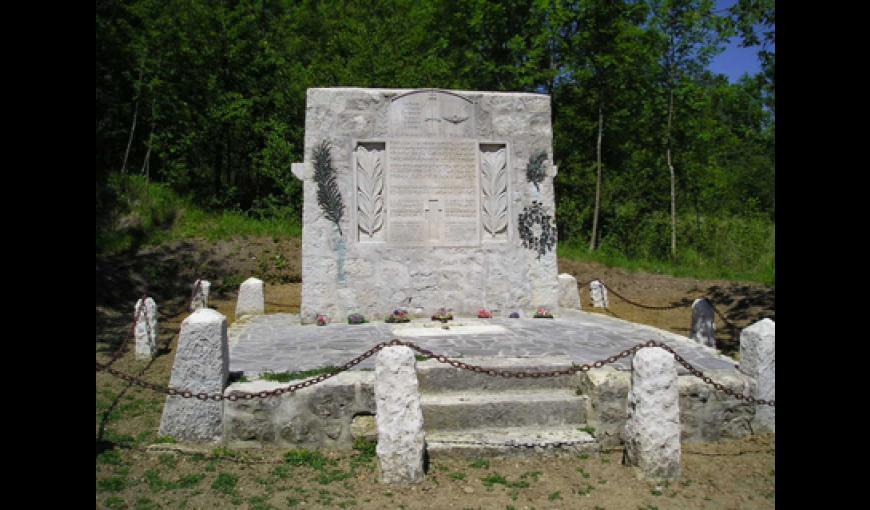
{"x":663,"y":164}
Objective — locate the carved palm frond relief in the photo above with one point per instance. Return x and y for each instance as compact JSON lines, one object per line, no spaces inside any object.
{"x":494,"y":186}
{"x":370,"y":190}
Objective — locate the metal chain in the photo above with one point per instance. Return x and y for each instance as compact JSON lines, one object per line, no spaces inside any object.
{"x":648,"y":307}
{"x":519,"y":374}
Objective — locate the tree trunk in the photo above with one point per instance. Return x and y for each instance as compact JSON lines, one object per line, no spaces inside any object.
{"x":594,"y":238}
{"x":130,"y":139}
{"x":673,"y":191}
{"x":146,"y":164}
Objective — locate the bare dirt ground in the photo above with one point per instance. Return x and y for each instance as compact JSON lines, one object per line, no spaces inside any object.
{"x":737,"y":474}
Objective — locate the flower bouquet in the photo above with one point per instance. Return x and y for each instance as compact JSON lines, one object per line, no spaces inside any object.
{"x":515,"y":315}
{"x":483,"y":313}
{"x":356,"y":318}
{"x":398,"y":316}
{"x":322,"y":320}
{"x":543,"y":313}
{"x":443,"y":315}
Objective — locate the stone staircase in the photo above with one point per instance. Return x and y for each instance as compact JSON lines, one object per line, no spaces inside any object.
{"x":471,"y":414}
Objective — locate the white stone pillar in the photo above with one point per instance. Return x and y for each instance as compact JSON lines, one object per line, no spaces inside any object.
{"x":251,"y":300}
{"x":652,"y":429}
{"x":146,"y":329}
{"x":199,"y":299}
{"x":703,"y":327}
{"x":758,"y":360}
{"x":399,"y":416}
{"x":201,"y":365}
{"x":599,"y":294}
{"x":569,"y":295}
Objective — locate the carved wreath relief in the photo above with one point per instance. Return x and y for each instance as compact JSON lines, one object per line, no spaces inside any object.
{"x":536,"y":229}
{"x":370,"y":191}
{"x":493,"y":168}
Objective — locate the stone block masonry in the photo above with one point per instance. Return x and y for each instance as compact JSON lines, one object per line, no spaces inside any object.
{"x":758,"y":360}
{"x":146,"y":328}
{"x":433,"y":184}
{"x":251,"y":299}
{"x":201,"y":365}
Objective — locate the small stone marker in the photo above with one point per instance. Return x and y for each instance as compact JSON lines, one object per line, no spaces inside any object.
{"x":399,"y":416}
{"x":251,"y":299}
{"x":200,"y":295}
{"x":758,"y":360}
{"x":703,"y":327}
{"x":569,"y":294}
{"x":201,"y":365}
{"x":146,"y":329}
{"x":652,"y":430}
{"x":599,"y":294}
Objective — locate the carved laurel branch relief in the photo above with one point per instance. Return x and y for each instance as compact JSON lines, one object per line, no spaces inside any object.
{"x":494,"y":186}
{"x":370,"y":190}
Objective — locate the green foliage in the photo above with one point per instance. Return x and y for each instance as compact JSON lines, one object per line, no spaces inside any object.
{"x":292,"y":376}
{"x":225,"y":483}
{"x":310,"y":458}
{"x":535,"y":170}
{"x":111,"y":484}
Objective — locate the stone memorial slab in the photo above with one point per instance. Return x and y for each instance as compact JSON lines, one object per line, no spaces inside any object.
{"x":569,"y":294}
{"x":703,"y":327}
{"x":199,"y":299}
{"x":146,"y":328}
{"x":251,"y":300}
{"x":426,"y":195}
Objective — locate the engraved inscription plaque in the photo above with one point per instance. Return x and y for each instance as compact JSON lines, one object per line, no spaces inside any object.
{"x":433,"y":190}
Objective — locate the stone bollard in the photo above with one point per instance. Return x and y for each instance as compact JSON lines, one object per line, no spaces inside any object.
{"x":599,"y":294}
{"x":146,"y":329}
{"x":199,"y":299}
{"x":569,"y":295}
{"x":758,"y":360}
{"x":251,"y":300}
{"x":399,"y":416}
{"x":201,"y":365}
{"x":652,"y":429}
{"x":703,"y":327}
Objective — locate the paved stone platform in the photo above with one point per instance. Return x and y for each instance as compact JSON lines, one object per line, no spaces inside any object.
{"x":278,"y":343}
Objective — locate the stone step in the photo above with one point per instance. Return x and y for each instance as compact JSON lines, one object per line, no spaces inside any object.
{"x":433,"y":376}
{"x":511,"y":441}
{"x":519,"y":408}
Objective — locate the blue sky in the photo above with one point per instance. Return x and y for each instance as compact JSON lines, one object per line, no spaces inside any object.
{"x":735,"y":61}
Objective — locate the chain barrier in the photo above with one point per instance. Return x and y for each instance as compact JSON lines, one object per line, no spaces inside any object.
{"x":519,"y":374}
{"x":512,"y":444}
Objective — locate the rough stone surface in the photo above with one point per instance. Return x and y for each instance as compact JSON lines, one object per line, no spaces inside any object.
{"x":201,"y":365}
{"x":433,"y":184}
{"x":758,"y":360}
{"x":703,"y":328}
{"x":200,"y":295}
{"x":399,"y":416}
{"x":569,"y":293}
{"x":146,"y":329}
{"x":652,"y":428}
{"x":251,"y":299}
{"x":320,"y":416}
{"x":599,"y":294}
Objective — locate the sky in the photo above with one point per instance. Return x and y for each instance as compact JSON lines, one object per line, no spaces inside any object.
{"x":735,"y":61}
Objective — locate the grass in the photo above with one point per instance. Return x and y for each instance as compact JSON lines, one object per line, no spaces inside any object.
{"x":480,"y":464}
{"x":739,"y":249}
{"x":292,"y":376}
{"x":225,"y":483}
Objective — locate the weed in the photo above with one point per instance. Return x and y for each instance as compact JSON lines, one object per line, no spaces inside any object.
{"x":588,"y":429}
{"x":282,"y":472}
{"x":312,"y":459}
{"x":554,"y":496}
{"x":328,"y":476}
{"x":110,"y":457}
{"x":367,"y":449}
{"x":225,"y":483}
{"x":582,"y":472}
{"x":324,"y":497}
{"x":456,"y":475}
{"x":480,"y":463}
{"x":223,"y":452}
{"x":111,"y":484}
{"x":292,"y":376}
{"x":534,"y":475}
{"x":293,"y":502}
{"x":496,"y":478}
{"x":115,"y":503}
{"x":168,"y":459}
{"x":420,"y":357}
{"x":515,"y":495}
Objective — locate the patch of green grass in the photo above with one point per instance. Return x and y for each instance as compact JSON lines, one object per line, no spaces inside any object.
{"x":168,"y":459}
{"x":293,"y":376}
{"x":259,"y":503}
{"x":655,"y":492}
{"x":327,"y":476}
{"x":112,"y":484}
{"x":111,"y":456}
{"x":496,"y":478}
{"x":146,"y":504}
{"x":310,"y":458}
{"x":480,"y":464}
{"x":588,"y":429}
{"x":283,"y":472}
{"x":554,"y":496}
{"x":324,"y":497}
{"x":534,"y":475}
{"x":367,"y":449}
{"x":583,"y":472}
{"x":457,"y":475}
{"x":225,"y":483}
{"x":115,"y":503}
{"x":420,"y":357}
{"x":293,"y":502}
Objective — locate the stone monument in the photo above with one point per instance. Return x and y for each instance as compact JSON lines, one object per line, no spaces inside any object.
{"x":437,"y":197}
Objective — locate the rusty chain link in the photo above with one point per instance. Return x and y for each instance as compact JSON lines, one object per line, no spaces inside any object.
{"x":641,"y":305}
{"x":519,"y":374}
